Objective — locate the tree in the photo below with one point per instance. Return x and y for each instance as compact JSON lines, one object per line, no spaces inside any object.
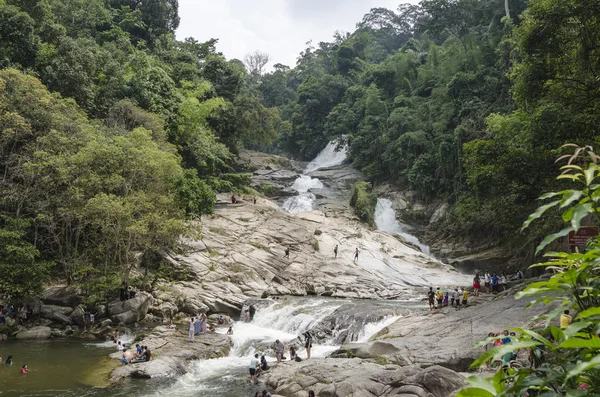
{"x":255,"y":62}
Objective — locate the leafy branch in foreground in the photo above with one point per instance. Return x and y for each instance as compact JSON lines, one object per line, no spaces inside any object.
{"x":562,"y":362}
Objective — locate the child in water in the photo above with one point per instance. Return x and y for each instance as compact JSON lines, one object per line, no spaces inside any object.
{"x":24,"y":369}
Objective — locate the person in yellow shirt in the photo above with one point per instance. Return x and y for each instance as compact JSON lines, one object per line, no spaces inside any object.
{"x":565,"y":320}
{"x":465,"y":297}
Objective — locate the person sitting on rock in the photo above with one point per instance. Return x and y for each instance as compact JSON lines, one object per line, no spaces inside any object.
{"x":263,"y":364}
{"x":221,"y":320}
{"x":124,"y":359}
{"x":120,"y":347}
{"x":266,"y":394}
{"x":147,"y":354}
{"x":139,"y":350}
{"x":132,"y":292}
{"x":230,"y":331}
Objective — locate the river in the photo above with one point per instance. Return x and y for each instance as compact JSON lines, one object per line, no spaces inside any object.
{"x":76,"y":368}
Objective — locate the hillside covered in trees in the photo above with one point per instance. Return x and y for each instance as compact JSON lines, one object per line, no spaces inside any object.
{"x":461,"y":101}
{"x":114,"y":134}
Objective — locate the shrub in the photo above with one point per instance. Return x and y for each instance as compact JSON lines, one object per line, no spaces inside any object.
{"x":363,"y":202}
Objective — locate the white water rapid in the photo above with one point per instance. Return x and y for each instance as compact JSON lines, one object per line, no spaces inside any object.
{"x":385,"y":219}
{"x":283,"y":320}
{"x":305,"y":200}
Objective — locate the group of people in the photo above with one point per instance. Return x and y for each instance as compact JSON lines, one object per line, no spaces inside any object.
{"x":9,"y":363}
{"x":127,"y":292}
{"x":140,"y":355}
{"x":438,"y":299}
{"x":198,"y":326}
{"x":335,"y":252}
{"x":19,"y":315}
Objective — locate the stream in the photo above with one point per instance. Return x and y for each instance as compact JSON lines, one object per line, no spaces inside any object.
{"x":80,"y":368}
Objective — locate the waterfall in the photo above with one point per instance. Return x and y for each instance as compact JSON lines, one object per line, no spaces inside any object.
{"x":304,"y":201}
{"x":385,"y":219}
{"x":283,"y":320}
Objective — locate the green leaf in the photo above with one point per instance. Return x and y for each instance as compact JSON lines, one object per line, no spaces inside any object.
{"x":579,"y":343}
{"x":594,"y":311}
{"x":481,"y":384}
{"x":584,"y":366}
{"x":590,"y":174}
{"x":550,"y":238}
{"x":580,"y":211}
{"x":538,"y":213}
{"x":569,"y":196}
{"x":474,"y":392}
{"x":497,"y":352}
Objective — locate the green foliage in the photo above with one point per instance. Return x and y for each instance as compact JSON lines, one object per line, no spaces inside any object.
{"x":570,"y":356}
{"x":23,"y":273}
{"x":363,"y":202}
{"x":194,"y":195}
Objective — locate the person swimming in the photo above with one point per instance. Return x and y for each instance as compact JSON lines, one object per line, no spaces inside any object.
{"x":9,"y":360}
{"x":24,"y":369}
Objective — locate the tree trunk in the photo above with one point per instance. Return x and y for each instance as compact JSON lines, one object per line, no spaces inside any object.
{"x":506,"y":9}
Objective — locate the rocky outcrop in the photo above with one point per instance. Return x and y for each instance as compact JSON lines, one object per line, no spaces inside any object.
{"x":130,"y":311}
{"x":342,"y":377}
{"x":61,"y":296}
{"x":57,"y":314}
{"x":35,"y":333}
{"x":171,"y":352}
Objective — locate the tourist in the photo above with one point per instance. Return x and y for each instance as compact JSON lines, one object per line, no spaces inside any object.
{"x":124,"y":359}
{"x":476,"y":285}
{"x":311,"y":393}
{"x":439,"y":297}
{"x":211,"y":328}
{"x":138,"y":349}
{"x":233,"y":199}
{"x":9,"y":360}
{"x":120,"y":347}
{"x":445,"y":302}
{"x":204,"y":324}
{"x":198,"y":329}
{"x":292,"y":353}
{"x":254,"y":199}
{"x":266,"y":394}
{"x":263,"y":363}
{"x":503,"y":282}
{"x":170,"y":321}
{"x":24,"y":369}
{"x":565,"y":320}
{"x":192,"y":329}
{"x":490,"y":344}
{"x":465,"y":297}
{"x":147,"y":354}
{"x":356,"y":252}
{"x":487,"y":279}
{"x":221,"y":320}
{"x":431,"y":298}
{"x":335,"y":251}
{"x":123,"y":291}
{"x":495,"y":283}
{"x":132,"y":292}
{"x":287,"y":252}
{"x":230,"y":331}
{"x":279,"y":350}
{"x":251,"y":312}
{"x":92,"y":319}
{"x":227,"y":319}
{"x":86,"y":319}
{"x":307,"y":343}
{"x":254,"y":364}
{"x":457,"y":297}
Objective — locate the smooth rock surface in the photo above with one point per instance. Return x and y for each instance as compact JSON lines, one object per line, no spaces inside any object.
{"x":131,"y":310}
{"x":35,"y":333}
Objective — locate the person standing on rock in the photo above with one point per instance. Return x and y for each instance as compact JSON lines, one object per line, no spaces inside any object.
{"x":356,"y":252}
{"x":307,"y":343}
{"x":192,"y":329}
{"x":456,"y":297}
{"x":254,"y":364}
{"x":279,"y":348}
{"x":439,"y":297}
{"x":488,"y":279}
{"x":287,"y":252}
{"x":476,"y":285}
{"x":335,"y":251}
{"x":198,"y":330}
{"x":465,"y":297}
{"x":431,"y":298}
{"x":252,"y":312}
{"x":254,"y":199}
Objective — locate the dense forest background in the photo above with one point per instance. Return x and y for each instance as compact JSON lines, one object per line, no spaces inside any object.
{"x":114,"y":135}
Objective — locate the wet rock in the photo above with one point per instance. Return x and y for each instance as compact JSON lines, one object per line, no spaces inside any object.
{"x":35,"y":333}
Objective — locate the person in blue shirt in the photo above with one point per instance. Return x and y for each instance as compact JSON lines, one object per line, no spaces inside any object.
{"x":139,"y":350}
{"x":495,"y":282}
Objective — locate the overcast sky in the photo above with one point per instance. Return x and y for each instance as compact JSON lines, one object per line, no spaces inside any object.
{"x":279,"y":27}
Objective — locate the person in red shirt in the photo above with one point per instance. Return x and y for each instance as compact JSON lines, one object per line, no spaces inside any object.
{"x":24,"y":369}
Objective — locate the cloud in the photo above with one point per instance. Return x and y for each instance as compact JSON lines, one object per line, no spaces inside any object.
{"x":278,"y":27}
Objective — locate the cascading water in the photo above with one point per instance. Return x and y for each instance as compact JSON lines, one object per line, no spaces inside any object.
{"x":328,"y":157}
{"x":283,"y":320}
{"x":385,"y":219}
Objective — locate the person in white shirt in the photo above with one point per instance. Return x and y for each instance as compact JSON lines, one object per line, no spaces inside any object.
{"x":120,"y":347}
{"x":192,"y":329}
{"x":488,"y":280}
{"x":254,"y":364}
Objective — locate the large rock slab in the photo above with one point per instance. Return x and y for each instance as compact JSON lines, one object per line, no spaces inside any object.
{"x":355,"y":377}
{"x":171,"y":352}
{"x":35,"y":333}
{"x":58,"y":314}
{"x":130,"y":311}
{"x":61,"y":296}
